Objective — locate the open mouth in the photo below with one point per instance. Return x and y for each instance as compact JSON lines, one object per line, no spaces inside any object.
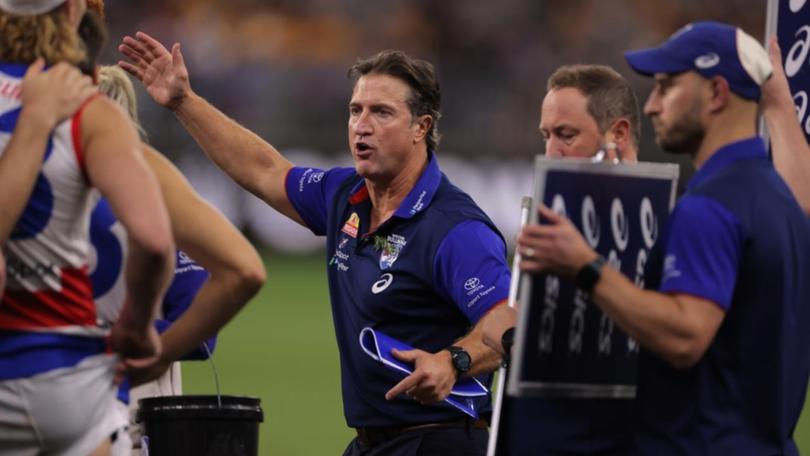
{"x":362,"y":149}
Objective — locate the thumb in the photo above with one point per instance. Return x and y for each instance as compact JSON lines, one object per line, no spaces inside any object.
{"x":409,"y":356}
{"x":177,"y":56}
{"x":35,"y":68}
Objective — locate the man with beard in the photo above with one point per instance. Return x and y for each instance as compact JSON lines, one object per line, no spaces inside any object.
{"x":725,"y":362}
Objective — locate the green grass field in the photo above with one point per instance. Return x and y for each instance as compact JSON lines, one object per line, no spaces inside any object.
{"x":281,"y":348}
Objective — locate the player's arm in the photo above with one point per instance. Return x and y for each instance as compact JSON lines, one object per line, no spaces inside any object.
{"x":235,"y":268}
{"x":252,"y":162}
{"x":47,"y":99}
{"x":678,"y":327}
{"x":115,"y":165}
{"x":791,"y":153}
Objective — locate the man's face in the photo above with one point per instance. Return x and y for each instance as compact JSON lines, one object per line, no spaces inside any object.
{"x":567,"y":127}
{"x":675,"y":108}
{"x":382,"y":131}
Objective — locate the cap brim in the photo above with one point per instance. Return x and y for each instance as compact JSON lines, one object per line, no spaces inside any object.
{"x":654,"y":60}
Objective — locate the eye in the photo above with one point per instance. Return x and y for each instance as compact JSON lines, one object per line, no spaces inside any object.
{"x":383,"y":112}
{"x":567,"y":136}
{"x":354,"y":110}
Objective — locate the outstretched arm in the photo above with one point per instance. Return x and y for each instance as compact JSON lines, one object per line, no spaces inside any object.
{"x":252,"y":162}
{"x":48,"y":98}
{"x":236,"y":271}
{"x":791,"y":153}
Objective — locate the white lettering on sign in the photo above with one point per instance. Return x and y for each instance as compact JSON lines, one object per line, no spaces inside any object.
{"x":577,"y":322}
{"x":549,"y":309}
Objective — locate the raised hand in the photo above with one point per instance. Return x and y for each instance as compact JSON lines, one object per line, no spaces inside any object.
{"x":776,"y":91}
{"x":56,"y":94}
{"x":163,"y":73}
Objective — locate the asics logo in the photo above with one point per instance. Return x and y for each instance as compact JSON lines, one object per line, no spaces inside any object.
{"x":707,"y":61}
{"x":380,"y":285}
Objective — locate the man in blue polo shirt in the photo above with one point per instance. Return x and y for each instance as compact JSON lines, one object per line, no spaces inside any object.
{"x":409,"y":254}
{"x":726,"y":350}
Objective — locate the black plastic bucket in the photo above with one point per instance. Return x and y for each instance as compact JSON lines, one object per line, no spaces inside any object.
{"x":200,"y":425}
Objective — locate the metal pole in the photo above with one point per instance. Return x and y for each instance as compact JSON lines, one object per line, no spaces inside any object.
{"x":514,"y":286}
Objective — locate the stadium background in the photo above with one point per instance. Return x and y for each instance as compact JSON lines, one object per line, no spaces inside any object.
{"x":279,"y":68}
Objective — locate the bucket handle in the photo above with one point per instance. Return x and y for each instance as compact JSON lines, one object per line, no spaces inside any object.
{"x":216,"y":375}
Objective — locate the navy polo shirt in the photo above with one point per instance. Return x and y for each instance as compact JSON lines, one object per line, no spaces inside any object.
{"x":425,"y":276}
{"x":738,"y":239}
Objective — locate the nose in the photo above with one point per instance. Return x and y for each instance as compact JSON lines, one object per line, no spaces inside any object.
{"x":653,"y":104}
{"x":361,"y":124}
{"x":554,"y":148}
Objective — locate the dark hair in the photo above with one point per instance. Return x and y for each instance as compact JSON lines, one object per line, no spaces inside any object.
{"x":93,"y":33}
{"x":425,"y":98}
{"x":609,"y":95}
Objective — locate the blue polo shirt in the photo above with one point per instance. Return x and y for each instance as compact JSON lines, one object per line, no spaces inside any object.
{"x":425,"y":276}
{"x":738,"y":239}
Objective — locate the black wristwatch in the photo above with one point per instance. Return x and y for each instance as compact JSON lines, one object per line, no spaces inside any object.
{"x":590,"y":274}
{"x":461,"y":360}
{"x":507,"y":341}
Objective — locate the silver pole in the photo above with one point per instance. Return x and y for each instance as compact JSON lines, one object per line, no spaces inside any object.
{"x":514,"y":285}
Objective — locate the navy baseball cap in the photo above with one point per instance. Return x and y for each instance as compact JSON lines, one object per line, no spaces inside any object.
{"x":710,"y":49}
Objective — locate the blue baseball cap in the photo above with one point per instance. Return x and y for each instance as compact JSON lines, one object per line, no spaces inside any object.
{"x":710,"y":49}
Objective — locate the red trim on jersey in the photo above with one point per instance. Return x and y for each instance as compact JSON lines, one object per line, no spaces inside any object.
{"x":359,"y":196}
{"x":72,"y":306}
{"x":75,"y":132}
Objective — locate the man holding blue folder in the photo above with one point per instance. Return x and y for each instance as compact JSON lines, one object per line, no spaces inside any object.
{"x":409,"y":254}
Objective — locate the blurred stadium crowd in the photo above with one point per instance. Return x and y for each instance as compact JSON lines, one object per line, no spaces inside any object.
{"x":278,"y":67}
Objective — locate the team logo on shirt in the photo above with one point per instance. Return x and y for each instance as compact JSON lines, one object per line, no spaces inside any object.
{"x":389,"y":252}
{"x":380,"y":285}
{"x":352,"y":225}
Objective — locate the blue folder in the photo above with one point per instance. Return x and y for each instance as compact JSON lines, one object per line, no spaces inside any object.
{"x":378,"y":346}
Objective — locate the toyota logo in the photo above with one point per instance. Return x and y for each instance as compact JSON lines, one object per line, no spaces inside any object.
{"x":471,"y":283}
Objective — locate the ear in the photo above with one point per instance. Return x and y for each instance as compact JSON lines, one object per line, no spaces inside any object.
{"x":75,"y":11}
{"x":421,"y":127}
{"x":620,"y":134}
{"x":720,"y":93}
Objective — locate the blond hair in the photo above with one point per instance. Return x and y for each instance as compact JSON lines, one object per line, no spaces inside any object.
{"x":115,"y":83}
{"x":49,"y":35}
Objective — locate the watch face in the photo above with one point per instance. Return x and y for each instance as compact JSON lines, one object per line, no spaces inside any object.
{"x":461,"y":359}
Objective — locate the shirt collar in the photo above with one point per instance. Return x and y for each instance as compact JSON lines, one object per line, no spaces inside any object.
{"x":417,"y":199}
{"x":746,"y":149}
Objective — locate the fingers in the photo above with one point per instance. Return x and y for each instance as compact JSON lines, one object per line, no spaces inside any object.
{"x":548,"y":214}
{"x":35,"y":68}
{"x":406,"y":384}
{"x":408,"y":356}
{"x":774,"y":51}
{"x":131,"y":69}
{"x":151,"y":45}
{"x":134,"y":55}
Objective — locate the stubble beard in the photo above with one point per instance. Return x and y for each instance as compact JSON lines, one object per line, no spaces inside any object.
{"x":685,"y":135}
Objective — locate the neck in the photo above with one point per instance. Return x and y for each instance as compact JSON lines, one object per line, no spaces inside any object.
{"x":386,"y":196}
{"x":736,"y":124}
